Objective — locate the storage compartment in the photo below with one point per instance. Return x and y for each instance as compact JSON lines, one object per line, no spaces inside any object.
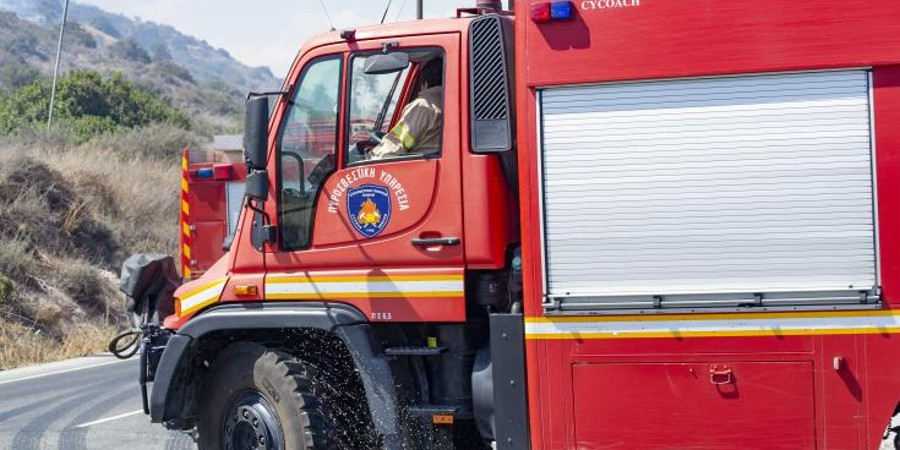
{"x":713,"y":192}
{"x":752,"y":405}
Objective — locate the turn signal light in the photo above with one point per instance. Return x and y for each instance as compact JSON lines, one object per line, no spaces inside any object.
{"x":246,"y":291}
{"x":177,"y":306}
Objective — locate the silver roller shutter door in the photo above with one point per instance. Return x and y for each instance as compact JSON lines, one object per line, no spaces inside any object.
{"x":740,"y":186}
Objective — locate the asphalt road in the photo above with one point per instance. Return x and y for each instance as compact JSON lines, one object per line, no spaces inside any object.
{"x":86,"y":404}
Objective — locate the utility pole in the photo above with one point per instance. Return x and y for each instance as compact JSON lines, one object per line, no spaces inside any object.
{"x":419,"y":14}
{"x":62,"y":33}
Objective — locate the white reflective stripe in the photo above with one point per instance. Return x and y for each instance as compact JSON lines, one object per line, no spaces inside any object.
{"x":454,"y":287}
{"x":200,"y":298}
{"x":773,"y":326}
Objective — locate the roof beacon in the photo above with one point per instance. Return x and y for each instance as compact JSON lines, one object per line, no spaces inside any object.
{"x":546,"y":12}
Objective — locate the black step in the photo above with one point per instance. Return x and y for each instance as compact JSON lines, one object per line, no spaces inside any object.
{"x":414,"y":351}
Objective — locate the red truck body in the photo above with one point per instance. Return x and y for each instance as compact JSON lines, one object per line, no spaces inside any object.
{"x":705,"y":203}
{"x":212,"y":193}
{"x":648,"y":382}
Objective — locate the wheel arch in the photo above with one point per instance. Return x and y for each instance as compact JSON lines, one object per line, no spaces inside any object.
{"x":181,"y":368}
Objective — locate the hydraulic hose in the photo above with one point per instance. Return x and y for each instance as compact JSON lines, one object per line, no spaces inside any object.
{"x":131,"y":346}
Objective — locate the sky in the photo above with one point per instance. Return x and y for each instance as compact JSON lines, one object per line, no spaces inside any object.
{"x":269,"y":32}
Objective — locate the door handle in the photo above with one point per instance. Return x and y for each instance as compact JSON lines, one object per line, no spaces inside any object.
{"x":434,"y":242}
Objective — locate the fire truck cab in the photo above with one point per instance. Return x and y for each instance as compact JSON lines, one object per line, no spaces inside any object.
{"x":648,"y":224}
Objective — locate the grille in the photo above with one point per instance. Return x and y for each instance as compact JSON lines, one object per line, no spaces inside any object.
{"x":490,"y":86}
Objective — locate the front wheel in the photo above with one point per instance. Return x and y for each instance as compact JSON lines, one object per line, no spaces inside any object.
{"x":891,"y":438}
{"x":257,"y":398}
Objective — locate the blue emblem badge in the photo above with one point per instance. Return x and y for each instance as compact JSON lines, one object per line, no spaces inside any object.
{"x":369,"y":209}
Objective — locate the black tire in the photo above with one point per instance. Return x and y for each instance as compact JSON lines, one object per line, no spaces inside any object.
{"x":259,"y":398}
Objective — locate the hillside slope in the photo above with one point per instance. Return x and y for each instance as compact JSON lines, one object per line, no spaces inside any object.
{"x":69,"y":216}
{"x":204,"y":81}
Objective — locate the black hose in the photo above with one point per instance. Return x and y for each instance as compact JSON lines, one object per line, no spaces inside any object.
{"x":130,"y":348}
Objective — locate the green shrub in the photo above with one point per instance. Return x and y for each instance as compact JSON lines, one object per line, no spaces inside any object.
{"x":7,"y":287}
{"x":88,"y":105}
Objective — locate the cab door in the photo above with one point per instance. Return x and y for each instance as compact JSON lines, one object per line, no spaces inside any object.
{"x":382,"y":235}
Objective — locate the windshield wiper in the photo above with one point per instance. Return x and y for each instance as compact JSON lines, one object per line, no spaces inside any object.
{"x":379,"y":121}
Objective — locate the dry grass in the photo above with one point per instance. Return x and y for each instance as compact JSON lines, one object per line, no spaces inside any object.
{"x":137,"y":196}
{"x":22,"y":346}
{"x":69,"y":216}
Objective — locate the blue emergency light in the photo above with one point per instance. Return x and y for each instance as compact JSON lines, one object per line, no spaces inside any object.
{"x":205,"y":173}
{"x":561,"y":11}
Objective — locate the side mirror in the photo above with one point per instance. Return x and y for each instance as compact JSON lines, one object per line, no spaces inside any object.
{"x":386,"y":63}
{"x":256,"y":132}
{"x":258,"y":185}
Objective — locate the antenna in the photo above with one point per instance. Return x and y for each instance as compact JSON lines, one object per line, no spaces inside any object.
{"x":327,"y":15}
{"x":386,"y":9}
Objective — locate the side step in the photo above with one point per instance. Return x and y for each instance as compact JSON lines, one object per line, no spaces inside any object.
{"x":433,"y":410}
{"x":414,"y":351}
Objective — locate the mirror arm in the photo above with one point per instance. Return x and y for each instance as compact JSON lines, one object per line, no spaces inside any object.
{"x":266,"y":219}
{"x":387,"y":46}
{"x":267,"y":93}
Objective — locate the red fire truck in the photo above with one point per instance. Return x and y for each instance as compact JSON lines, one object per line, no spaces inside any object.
{"x":212,"y":197}
{"x":650,"y":224}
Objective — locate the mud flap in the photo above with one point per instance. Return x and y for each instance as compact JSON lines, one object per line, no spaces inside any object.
{"x":510,"y":391}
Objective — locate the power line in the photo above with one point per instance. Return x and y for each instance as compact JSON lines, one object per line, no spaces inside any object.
{"x":400,"y":12}
{"x":327,"y":15}
{"x":386,"y":9}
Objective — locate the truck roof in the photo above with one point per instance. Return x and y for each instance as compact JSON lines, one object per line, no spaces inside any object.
{"x":394,"y":29}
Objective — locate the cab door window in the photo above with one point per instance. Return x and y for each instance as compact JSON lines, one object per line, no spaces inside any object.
{"x":373,"y":102}
{"x":307,"y":144}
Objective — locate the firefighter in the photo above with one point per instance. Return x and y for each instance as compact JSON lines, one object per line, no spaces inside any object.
{"x":419,"y":127}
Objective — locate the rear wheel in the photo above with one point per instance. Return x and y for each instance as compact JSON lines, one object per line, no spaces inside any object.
{"x":257,"y":398}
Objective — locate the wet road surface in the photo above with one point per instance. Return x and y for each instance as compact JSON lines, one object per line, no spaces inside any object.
{"x":87,"y":404}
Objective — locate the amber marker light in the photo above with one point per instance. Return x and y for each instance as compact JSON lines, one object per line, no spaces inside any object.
{"x":442,"y":419}
{"x":177,"y":306}
{"x":246,"y":291}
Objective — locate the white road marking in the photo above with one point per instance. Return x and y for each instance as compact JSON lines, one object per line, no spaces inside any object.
{"x":63,"y":371}
{"x":110,"y":419}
